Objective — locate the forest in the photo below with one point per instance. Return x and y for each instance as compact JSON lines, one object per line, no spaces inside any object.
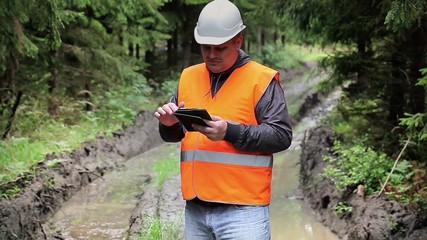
{"x":71,"y":70}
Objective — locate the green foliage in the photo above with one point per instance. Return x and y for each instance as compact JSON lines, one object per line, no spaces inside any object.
{"x":165,"y":168}
{"x":38,"y":134}
{"x":342,"y":208}
{"x":116,"y":105}
{"x":335,"y":21}
{"x":412,"y":192}
{"x":404,"y":13}
{"x":196,"y":2}
{"x":160,"y":230}
{"x":54,"y":162}
{"x":351,"y":120}
{"x":17,"y":155}
{"x":379,"y":54}
{"x":279,"y":56}
{"x":169,"y":86}
{"x":14,"y":14}
{"x":9,"y":193}
{"x":357,"y":164}
{"x":401,"y":174}
{"x":344,"y":63}
{"x":72,"y":56}
{"x":423,"y":81}
{"x":416,"y":124}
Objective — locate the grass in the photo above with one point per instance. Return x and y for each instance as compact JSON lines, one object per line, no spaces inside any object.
{"x":166,"y":168}
{"x":295,"y":97}
{"x":17,"y":155}
{"x":35,"y":133}
{"x":158,"y":228}
{"x":307,"y":53}
{"x":161,"y":230}
{"x":288,"y":56}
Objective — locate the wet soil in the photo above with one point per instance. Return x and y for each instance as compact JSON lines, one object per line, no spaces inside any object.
{"x":372,"y":218}
{"x":47,"y":188}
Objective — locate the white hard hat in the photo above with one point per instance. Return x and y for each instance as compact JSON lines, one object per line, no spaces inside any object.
{"x":219,"y":21}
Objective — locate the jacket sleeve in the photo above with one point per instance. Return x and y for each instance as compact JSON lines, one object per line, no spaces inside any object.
{"x":174,"y":133}
{"x":273,"y":132}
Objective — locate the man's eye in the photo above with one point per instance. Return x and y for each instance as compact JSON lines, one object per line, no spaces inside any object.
{"x":217,"y":49}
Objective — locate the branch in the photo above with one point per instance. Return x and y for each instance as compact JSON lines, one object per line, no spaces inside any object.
{"x":394,"y":166}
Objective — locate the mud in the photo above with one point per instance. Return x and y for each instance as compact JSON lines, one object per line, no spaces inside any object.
{"x":166,"y":203}
{"x":372,"y":218}
{"x":46,"y":188}
{"x":44,"y":191}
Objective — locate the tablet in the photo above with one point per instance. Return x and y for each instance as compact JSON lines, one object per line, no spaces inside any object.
{"x":188,"y":116}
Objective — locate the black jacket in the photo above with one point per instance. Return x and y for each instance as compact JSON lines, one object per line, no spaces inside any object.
{"x":273,"y":132}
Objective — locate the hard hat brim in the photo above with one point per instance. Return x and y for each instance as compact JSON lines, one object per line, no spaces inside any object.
{"x":214,"y":40}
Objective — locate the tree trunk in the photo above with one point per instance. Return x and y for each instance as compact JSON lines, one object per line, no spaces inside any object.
{"x":191,"y":13}
{"x":7,"y":82}
{"x":259,"y":40}
{"x":397,"y":87}
{"x":130,"y":47}
{"x":172,"y":51}
{"x":12,"y":115}
{"x":137,"y":51}
{"x":149,"y":74}
{"x":362,"y":82}
{"x":53,"y":107}
{"x":417,"y":50}
{"x":88,"y":98}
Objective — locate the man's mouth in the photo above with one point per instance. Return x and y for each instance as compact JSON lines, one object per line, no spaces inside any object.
{"x":214,"y":62}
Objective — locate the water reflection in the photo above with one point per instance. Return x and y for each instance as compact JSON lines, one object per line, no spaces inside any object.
{"x":291,"y":218}
{"x":101,"y":210}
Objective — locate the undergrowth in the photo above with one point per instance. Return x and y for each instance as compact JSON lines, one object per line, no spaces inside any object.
{"x":165,"y":168}
{"x":35,"y":133}
{"x":159,"y":229}
{"x":365,"y":152}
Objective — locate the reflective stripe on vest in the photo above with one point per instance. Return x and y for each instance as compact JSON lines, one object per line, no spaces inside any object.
{"x":227,"y":158}
{"x":216,"y":171}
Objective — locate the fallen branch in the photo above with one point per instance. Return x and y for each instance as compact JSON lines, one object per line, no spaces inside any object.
{"x":394,"y":166}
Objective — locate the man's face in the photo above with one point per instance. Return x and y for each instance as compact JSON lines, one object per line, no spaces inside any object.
{"x":219,"y":58}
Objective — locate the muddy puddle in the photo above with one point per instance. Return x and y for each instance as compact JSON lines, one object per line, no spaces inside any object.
{"x":291,"y":218}
{"x":103,"y":208}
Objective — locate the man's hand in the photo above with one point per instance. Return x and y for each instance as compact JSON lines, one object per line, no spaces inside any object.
{"x":216,"y":130}
{"x":165,"y":113}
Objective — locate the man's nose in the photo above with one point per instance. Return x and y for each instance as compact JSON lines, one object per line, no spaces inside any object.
{"x":212,"y":53}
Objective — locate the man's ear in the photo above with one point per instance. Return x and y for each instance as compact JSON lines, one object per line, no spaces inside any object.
{"x":239,"y":41}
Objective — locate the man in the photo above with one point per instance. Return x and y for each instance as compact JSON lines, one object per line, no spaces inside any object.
{"x":226,"y":167}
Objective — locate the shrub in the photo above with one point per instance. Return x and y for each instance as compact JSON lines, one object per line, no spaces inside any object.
{"x":358,"y":164}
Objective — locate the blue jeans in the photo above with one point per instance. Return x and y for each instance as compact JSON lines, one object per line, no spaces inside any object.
{"x":224,"y":221}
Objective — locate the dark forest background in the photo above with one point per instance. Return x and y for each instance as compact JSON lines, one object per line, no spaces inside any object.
{"x":73,"y":69}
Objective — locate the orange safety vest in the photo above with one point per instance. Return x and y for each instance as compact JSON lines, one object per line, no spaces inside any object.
{"x":216,"y":171}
